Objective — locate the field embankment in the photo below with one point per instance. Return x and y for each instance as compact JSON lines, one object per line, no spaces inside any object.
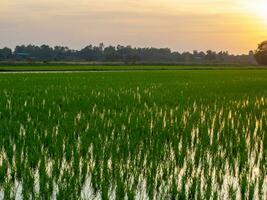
{"x":13,"y":68}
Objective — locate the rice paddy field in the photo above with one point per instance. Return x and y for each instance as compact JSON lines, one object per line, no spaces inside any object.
{"x":195,"y":134}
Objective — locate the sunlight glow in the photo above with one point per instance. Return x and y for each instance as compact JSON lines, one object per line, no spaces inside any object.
{"x":182,"y":25}
{"x":259,"y":8}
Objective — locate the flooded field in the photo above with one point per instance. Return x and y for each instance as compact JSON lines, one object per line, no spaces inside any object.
{"x":134,"y":135}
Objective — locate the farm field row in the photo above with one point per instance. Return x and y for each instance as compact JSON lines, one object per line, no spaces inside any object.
{"x":192,"y":134}
{"x":119,"y":67}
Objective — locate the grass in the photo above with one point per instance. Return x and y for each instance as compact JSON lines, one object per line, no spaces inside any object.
{"x":198,"y":134}
{"x":112,"y":67}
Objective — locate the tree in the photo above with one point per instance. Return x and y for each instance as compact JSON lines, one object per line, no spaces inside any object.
{"x":5,"y":53}
{"x":261,"y":53}
{"x":110,"y":53}
{"x":46,"y":53}
{"x":210,"y":55}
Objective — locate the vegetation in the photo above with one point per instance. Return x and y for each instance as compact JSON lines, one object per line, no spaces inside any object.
{"x":261,"y":53}
{"x":126,"y":54}
{"x":164,"y":135}
{"x":24,"y":67}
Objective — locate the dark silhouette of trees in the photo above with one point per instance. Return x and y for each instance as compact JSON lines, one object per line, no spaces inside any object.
{"x":126,"y":54}
{"x":261,"y":53}
{"x":111,"y":54}
{"x":5,"y":53}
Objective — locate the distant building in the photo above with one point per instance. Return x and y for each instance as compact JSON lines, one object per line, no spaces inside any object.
{"x":23,"y":54}
{"x":198,"y":58}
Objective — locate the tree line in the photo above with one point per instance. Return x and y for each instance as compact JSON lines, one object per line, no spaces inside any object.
{"x":119,"y":53}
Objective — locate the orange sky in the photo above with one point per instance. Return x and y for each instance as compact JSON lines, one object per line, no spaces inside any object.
{"x":183,"y":25}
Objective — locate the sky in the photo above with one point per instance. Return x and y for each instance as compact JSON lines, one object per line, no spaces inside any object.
{"x":236,"y":26}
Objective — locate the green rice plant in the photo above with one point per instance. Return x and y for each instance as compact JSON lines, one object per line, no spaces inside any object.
{"x":152,"y":135}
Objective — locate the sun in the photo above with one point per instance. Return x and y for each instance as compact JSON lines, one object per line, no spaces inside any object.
{"x":259,"y":9}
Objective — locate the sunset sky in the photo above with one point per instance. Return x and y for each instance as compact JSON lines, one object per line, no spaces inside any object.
{"x":183,"y":25}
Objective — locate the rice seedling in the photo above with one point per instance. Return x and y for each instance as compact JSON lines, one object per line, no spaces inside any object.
{"x":134,"y":135}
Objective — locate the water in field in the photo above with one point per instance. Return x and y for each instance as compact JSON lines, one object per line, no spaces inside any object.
{"x":136,"y":135}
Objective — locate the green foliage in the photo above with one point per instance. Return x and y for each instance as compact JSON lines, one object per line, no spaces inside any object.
{"x":261,"y":53}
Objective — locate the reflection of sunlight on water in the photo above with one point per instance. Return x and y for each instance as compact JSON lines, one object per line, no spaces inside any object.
{"x":188,"y":133}
{"x":229,"y":179}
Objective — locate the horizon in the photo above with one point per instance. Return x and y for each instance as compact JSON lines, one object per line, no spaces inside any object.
{"x":133,"y":47}
{"x":221,"y":25}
